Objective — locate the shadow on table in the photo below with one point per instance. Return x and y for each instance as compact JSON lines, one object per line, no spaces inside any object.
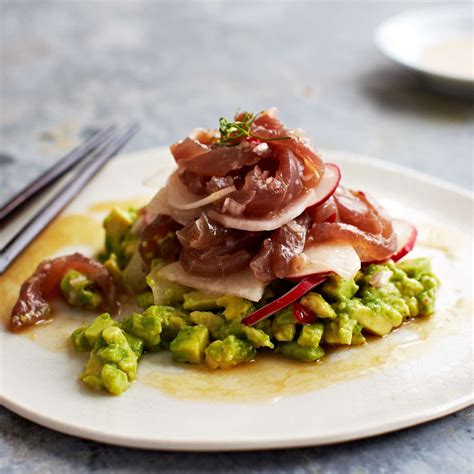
{"x":426,"y":447}
{"x":404,"y":92}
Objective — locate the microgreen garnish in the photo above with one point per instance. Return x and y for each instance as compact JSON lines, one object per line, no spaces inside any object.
{"x":232,"y":132}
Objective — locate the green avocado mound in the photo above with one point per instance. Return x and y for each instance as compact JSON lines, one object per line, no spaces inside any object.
{"x":199,"y":328}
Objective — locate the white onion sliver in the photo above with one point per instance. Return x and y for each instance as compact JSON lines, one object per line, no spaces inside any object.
{"x":208,"y":199}
{"x":320,"y":193}
{"x":182,"y":199}
{"x":160,"y":205}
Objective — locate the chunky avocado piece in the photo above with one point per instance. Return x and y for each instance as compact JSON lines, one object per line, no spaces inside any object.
{"x":229,"y":352}
{"x":343,"y":330}
{"x":318,"y":305}
{"x":112,"y":266}
{"x":375,"y":316}
{"x":85,"y":338}
{"x":337,"y":289}
{"x":174,"y":325}
{"x":113,"y":379}
{"x":311,"y":335}
{"x":79,"y":290}
{"x":145,"y":300}
{"x":415,"y":267}
{"x":199,"y":301}
{"x":175,"y":322}
{"x":265,"y":326}
{"x":135,"y":343}
{"x":112,"y":364}
{"x":231,"y":328}
{"x":427,"y":298}
{"x":235,"y":307}
{"x":257,"y":337}
{"x":212,"y":321}
{"x":116,"y":225}
{"x":94,"y":330}
{"x":409,"y":286}
{"x":304,"y":354}
{"x":149,"y":324}
{"x":357,"y":336}
{"x":389,"y":295}
{"x":283,"y":325}
{"x":79,"y":340}
{"x":189,"y":344}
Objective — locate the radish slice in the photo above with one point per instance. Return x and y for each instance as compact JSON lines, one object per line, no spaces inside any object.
{"x":406,"y":238}
{"x":181,"y":198}
{"x":315,"y":196}
{"x":337,"y":258}
{"x":291,"y":296}
{"x":244,"y":284}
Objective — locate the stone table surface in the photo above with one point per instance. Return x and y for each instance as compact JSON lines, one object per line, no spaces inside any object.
{"x":68,"y":67}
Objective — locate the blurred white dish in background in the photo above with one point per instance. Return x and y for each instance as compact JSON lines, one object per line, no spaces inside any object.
{"x":436,"y":42}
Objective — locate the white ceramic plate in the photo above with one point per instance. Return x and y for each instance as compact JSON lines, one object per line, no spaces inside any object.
{"x":416,"y":374}
{"x":409,"y":37}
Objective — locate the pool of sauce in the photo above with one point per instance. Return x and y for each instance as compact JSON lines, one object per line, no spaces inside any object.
{"x":269,"y":377}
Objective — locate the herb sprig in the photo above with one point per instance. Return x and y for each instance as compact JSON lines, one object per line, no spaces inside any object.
{"x":231,"y":132}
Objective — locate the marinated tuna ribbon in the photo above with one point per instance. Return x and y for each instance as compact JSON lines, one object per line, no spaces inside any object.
{"x":32,"y":306}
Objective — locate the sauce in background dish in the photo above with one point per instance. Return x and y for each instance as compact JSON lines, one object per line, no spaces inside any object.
{"x":453,"y":57}
{"x":270,"y":376}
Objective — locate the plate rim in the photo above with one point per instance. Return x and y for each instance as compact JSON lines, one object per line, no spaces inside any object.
{"x":240,"y":444}
{"x":115,"y":439}
{"x":414,"y":66}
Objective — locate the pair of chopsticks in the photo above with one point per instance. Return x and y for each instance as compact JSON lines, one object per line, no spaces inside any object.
{"x":92,"y":155}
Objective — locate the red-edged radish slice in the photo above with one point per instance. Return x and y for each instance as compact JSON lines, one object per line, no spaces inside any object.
{"x":406,"y":238}
{"x":181,"y":198}
{"x":331,"y":257}
{"x":291,"y":296}
{"x":323,"y":191}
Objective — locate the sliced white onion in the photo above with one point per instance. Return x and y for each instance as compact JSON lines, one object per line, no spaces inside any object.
{"x":243,"y":284}
{"x":337,"y":258}
{"x":160,"y":205}
{"x":317,"y":195}
{"x":181,"y":198}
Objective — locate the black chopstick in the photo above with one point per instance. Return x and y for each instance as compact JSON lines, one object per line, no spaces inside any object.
{"x":81,"y":177}
{"x":57,"y":170}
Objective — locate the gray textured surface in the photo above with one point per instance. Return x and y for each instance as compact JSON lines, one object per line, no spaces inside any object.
{"x":67,"y":67}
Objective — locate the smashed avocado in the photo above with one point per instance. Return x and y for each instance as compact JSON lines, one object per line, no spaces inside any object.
{"x":199,"y":328}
